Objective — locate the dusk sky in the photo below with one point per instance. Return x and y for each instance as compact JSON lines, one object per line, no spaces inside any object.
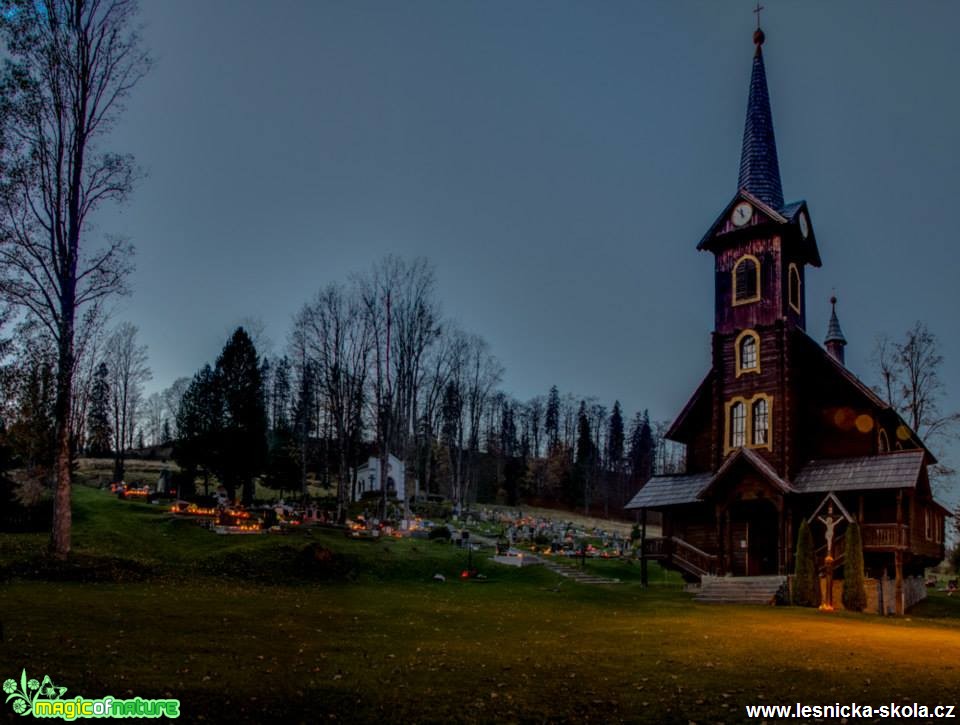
{"x":556,"y":161}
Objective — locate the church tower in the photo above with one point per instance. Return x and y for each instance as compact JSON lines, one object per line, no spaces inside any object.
{"x":779,"y":427}
{"x":761,"y":248}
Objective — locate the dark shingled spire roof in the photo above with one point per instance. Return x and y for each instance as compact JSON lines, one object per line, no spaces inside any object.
{"x":834,"y":333}
{"x":759,"y":168}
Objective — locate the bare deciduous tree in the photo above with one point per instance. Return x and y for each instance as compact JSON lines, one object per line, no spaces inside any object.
{"x":127,"y":372}
{"x":71,"y":63}
{"x":909,"y":374}
{"x":153,"y":418}
{"x":336,"y":335}
{"x":399,"y":301}
{"x":172,"y":397}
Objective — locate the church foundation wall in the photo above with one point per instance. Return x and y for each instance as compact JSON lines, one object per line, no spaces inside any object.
{"x":880,"y":590}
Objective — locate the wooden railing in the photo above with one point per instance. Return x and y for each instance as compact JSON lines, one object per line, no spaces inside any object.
{"x":693,"y":559}
{"x":885,"y":536}
{"x":681,"y":554}
{"x":655,"y":548}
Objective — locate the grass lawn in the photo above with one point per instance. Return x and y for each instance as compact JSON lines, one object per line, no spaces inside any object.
{"x":245,"y":628}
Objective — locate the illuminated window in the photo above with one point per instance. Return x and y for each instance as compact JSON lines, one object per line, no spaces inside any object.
{"x":746,"y":280}
{"x":748,"y":352}
{"x":761,"y":422}
{"x":794,"y":293}
{"x":738,"y":425}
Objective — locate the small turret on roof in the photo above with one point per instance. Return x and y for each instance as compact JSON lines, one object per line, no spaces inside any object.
{"x":835,"y":341}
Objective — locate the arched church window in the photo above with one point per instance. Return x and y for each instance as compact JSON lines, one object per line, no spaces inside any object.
{"x":883,"y":443}
{"x":794,"y":287}
{"x":748,"y":352}
{"x":761,"y":422}
{"x":738,"y":425}
{"x":746,"y":280}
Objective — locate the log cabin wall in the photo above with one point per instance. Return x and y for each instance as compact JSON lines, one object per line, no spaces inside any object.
{"x":697,"y":526}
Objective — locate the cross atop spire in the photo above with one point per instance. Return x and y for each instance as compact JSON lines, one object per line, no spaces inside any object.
{"x":757,"y":11}
{"x":759,"y":167}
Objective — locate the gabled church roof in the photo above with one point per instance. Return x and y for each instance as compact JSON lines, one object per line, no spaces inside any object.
{"x":756,"y":461}
{"x":702,"y":392}
{"x":902,"y":469}
{"x":759,"y":166}
{"x":891,"y":470}
{"x":670,"y":491}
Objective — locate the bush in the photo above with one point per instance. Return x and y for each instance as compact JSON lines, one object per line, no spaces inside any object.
{"x":439,"y":532}
{"x":541,"y":540}
{"x":854,"y":592}
{"x":433,"y":510}
{"x":806,"y":583}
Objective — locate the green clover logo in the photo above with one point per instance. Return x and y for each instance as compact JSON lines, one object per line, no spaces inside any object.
{"x":25,"y":693}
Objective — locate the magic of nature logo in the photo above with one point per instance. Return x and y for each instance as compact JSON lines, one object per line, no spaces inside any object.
{"x":42,"y":698}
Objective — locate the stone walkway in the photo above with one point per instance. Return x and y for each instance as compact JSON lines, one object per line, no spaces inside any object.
{"x":577,"y":574}
{"x":568,"y":571}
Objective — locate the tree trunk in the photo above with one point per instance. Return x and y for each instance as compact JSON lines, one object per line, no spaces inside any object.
{"x":119,"y":470}
{"x":62,"y":515}
{"x":342,"y":487}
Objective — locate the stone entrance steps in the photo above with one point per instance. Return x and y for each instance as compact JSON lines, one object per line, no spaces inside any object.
{"x":578,"y":575}
{"x":739,"y":589}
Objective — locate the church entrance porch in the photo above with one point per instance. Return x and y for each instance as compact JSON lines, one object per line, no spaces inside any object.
{"x":754,"y":540}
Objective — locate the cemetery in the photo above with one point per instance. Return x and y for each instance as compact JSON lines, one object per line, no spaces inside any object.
{"x":363,"y":629}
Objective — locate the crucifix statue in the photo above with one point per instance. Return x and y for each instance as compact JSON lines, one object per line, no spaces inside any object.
{"x":830,"y":521}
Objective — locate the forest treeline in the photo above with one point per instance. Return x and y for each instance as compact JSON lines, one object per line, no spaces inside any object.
{"x":370,"y":364}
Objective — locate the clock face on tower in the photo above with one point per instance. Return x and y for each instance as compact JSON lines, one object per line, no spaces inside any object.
{"x":804,"y":226}
{"x":742,"y":213}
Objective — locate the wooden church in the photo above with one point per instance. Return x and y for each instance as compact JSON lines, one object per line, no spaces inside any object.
{"x":780,"y":430}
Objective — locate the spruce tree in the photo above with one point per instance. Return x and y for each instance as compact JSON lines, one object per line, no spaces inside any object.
{"x":854,"y":590}
{"x":99,"y":431}
{"x":806,"y":583}
{"x":615,"y":482}
{"x":199,"y":420}
{"x":642,"y":447}
{"x":551,"y":424}
{"x":586,"y":450}
{"x":586,"y":456}
{"x":243,"y":438}
{"x":615,"y":438}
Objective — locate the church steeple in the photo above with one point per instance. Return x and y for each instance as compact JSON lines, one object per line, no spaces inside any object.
{"x":759,"y":168}
{"x":835,"y":341}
